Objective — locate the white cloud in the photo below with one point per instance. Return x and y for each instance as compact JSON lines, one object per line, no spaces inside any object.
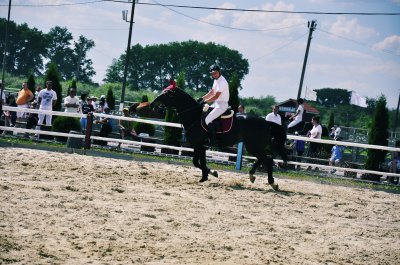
{"x":219,"y":17}
{"x":346,"y":53}
{"x":391,"y":43}
{"x":351,"y":29}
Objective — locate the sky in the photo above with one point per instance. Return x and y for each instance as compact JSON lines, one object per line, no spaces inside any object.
{"x":360,"y":53}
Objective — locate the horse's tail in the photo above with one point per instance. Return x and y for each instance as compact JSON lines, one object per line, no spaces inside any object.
{"x":279,"y":140}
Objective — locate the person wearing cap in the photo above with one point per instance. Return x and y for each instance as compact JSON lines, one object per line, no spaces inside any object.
{"x":336,"y":155}
{"x":219,"y":95}
{"x":102,"y":104}
{"x":94,"y":103}
{"x":24,"y":96}
{"x":86,"y":107}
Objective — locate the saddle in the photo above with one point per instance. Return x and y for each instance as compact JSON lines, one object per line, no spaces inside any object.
{"x":223,"y":123}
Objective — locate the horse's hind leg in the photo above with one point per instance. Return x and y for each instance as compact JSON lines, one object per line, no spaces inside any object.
{"x":253,"y":170}
{"x":269,"y":164}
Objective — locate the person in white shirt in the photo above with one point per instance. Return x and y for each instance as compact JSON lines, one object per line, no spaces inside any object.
{"x":298,"y":116}
{"x":274,"y":116}
{"x":71,"y":102}
{"x":47,"y":99}
{"x":315,"y":133}
{"x":219,"y":95}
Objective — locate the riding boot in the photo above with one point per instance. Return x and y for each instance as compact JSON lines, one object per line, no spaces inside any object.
{"x":212,"y":134}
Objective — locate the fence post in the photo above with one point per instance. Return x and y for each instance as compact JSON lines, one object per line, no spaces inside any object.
{"x":239,"y":156}
{"x":88,"y":132}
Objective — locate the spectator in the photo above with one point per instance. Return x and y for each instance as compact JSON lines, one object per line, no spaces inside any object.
{"x":10,"y":117}
{"x":86,"y":107}
{"x":71,"y":102}
{"x":315,"y":133}
{"x":102,"y":104}
{"x":336,"y":155}
{"x":300,"y":144}
{"x":3,"y":96}
{"x":274,"y":116}
{"x":38,"y":88}
{"x":47,"y":99}
{"x":24,"y":97}
{"x":126,"y":127}
{"x":241,"y":109}
{"x":31,"y":118}
{"x":298,"y":116}
{"x":106,"y":125}
{"x":94,"y":103}
{"x":335,"y":132}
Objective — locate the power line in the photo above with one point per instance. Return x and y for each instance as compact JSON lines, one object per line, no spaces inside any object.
{"x":52,"y":5}
{"x":223,"y":26}
{"x":222,"y":8}
{"x":360,"y":43}
{"x":277,"y":49}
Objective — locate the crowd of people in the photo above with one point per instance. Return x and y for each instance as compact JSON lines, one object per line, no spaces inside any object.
{"x":45,"y":99}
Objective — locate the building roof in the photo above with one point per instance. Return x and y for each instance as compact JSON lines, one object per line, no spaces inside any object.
{"x":308,"y":108}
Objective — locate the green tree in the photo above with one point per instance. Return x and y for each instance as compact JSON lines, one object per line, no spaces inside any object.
{"x":110,"y":98}
{"x":53,"y":75}
{"x":180,"y":80}
{"x":378,"y":135}
{"x":25,"y":50}
{"x":60,"y":52}
{"x":84,"y":70}
{"x":153,"y":63}
{"x":31,"y":83}
{"x":333,"y":96}
{"x":234,"y":84}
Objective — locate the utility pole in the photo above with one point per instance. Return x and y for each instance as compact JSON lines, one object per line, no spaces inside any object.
{"x":311,"y":27}
{"x":2,"y":85}
{"x":121,"y":105}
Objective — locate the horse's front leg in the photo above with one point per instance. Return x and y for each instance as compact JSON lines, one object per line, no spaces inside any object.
{"x":203,"y":165}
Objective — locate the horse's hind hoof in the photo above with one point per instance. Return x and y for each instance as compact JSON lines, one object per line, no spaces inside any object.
{"x":274,"y":186}
{"x":252,"y":178}
{"x":214,"y":173}
{"x":203,"y":179}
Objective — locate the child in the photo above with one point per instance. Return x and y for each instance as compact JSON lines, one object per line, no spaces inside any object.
{"x":337,"y":153}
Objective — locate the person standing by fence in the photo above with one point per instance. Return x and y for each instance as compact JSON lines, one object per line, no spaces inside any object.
{"x":47,"y":99}
{"x":24,"y":96}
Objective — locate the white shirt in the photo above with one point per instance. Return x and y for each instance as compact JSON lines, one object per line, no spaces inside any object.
{"x":316,"y":132}
{"x":3,"y":96}
{"x":69,"y":100}
{"x":337,"y":132}
{"x":300,"y":110}
{"x":274,"y":118}
{"x":47,"y":98}
{"x":221,"y":85}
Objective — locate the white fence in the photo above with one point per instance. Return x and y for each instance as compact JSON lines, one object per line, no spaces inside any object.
{"x":177,"y":125}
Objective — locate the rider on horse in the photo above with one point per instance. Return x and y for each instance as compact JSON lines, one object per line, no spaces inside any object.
{"x":219,"y":94}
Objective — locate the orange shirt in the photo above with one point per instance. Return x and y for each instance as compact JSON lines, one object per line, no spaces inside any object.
{"x":24,"y":96}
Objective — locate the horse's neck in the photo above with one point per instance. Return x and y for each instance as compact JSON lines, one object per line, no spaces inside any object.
{"x":189,"y":115}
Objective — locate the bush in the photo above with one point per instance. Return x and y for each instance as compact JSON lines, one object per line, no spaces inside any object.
{"x":145,"y":128}
{"x":65,"y":125}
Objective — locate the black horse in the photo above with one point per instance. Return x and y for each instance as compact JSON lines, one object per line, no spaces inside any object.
{"x":261,"y":138}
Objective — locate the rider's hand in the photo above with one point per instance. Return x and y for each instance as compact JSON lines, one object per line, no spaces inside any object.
{"x":201,"y":101}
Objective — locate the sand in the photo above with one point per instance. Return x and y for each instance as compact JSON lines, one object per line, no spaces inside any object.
{"x":73,"y":209}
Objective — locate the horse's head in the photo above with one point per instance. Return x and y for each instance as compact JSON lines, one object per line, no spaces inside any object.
{"x":174,"y":98}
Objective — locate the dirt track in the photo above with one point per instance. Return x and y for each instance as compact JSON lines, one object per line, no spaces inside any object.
{"x":73,"y":209}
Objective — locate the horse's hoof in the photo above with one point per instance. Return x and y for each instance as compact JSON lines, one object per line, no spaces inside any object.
{"x":252,"y":178}
{"x":214,"y":173}
{"x":203,"y":179}
{"x":274,"y":186}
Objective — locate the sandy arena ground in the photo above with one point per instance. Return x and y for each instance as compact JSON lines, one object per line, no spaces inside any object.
{"x":73,"y":209}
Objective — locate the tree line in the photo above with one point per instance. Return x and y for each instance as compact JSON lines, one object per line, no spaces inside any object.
{"x":29,"y":50}
{"x":151,"y":66}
